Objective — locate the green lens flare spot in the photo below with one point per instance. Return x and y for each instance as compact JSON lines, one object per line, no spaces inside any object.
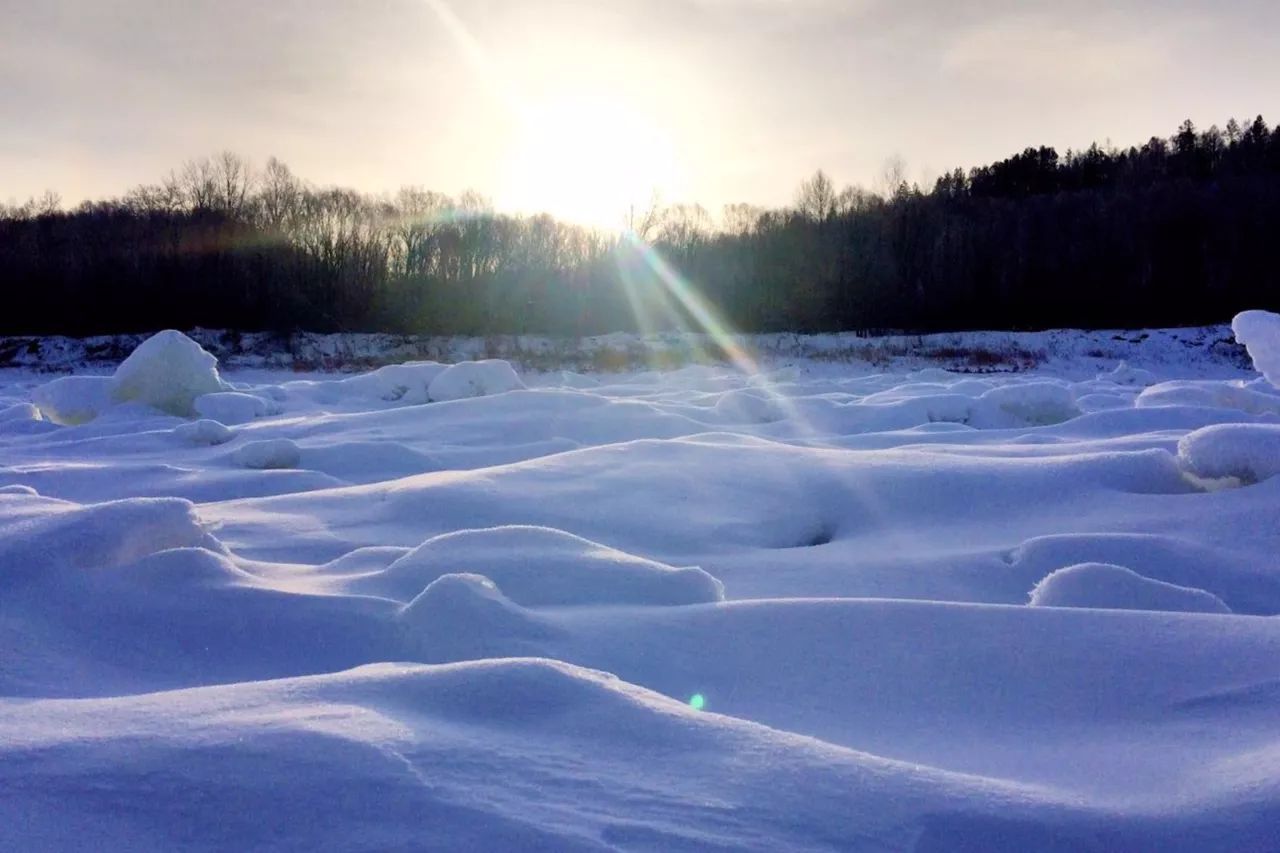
{"x":697,"y":701}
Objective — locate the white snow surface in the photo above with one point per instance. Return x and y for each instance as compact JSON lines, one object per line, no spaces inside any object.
{"x":821,"y":603}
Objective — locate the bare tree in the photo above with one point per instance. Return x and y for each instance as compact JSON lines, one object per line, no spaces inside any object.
{"x":816,"y":198}
{"x":741,"y":220}
{"x":893,"y":175}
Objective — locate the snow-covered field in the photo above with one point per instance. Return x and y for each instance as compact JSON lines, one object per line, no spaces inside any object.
{"x":824,"y":605}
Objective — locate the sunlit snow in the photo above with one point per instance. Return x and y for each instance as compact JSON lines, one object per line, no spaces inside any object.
{"x":831,"y":605}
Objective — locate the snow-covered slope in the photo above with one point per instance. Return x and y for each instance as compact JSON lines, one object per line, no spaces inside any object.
{"x":821,"y":605}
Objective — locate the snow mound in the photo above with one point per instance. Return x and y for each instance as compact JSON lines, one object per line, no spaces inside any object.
{"x":748,"y":407}
{"x":1030,"y":404}
{"x":205,"y":432}
{"x":403,"y":383}
{"x":1247,"y":585}
{"x":1090,"y":403}
{"x":1126,"y":375}
{"x":268,"y":453}
{"x":1215,"y":395}
{"x":1248,"y":452}
{"x":40,"y":536}
{"x":473,"y":379}
{"x":231,"y":407}
{"x":465,"y":616}
{"x":73,"y":400}
{"x":540,"y":566}
{"x":167,"y":371}
{"x":1112,"y":587}
{"x":19,"y":412}
{"x":1259,"y":332}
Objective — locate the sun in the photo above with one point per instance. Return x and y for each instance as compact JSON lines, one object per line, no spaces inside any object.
{"x":587,"y":159}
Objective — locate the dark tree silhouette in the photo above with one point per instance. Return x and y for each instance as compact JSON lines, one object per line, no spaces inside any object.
{"x":1175,"y":231}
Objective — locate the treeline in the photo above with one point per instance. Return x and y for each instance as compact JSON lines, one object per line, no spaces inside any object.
{"x":1176,"y":231}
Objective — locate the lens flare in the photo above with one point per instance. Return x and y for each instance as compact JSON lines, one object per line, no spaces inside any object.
{"x":697,"y":701}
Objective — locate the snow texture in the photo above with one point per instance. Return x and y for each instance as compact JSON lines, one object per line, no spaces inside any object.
{"x":762,"y":607}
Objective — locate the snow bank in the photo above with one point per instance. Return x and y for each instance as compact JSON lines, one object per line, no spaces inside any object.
{"x":1259,"y":332}
{"x":268,"y":453}
{"x":473,"y":379}
{"x":539,"y":566}
{"x":1103,"y":585}
{"x":231,"y":407}
{"x":168,"y":371}
{"x":1248,"y":452}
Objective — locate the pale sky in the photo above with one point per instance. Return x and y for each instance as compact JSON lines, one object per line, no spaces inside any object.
{"x":566,"y":103}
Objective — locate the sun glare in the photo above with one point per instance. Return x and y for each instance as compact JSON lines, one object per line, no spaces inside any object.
{"x":588,"y":160}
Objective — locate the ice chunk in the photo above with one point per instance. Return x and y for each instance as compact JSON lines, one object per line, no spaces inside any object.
{"x":473,"y":379}
{"x":1108,"y":586}
{"x":269,"y":453}
{"x":1259,"y":332}
{"x":167,"y":371}
{"x":1248,"y":452}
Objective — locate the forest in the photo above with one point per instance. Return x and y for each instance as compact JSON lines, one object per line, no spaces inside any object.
{"x":1176,"y":231}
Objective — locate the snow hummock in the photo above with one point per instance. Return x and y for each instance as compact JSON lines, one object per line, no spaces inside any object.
{"x":540,"y":566}
{"x":473,"y":379}
{"x":268,"y":453}
{"x":231,"y":407}
{"x":1259,"y":332}
{"x":204,"y":431}
{"x":1248,"y":452}
{"x":72,"y":400}
{"x":1110,"y":586}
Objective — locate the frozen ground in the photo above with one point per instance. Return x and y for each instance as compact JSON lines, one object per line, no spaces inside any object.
{"x":832,"y":605}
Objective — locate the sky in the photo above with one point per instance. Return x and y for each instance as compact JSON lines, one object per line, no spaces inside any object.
{"x":581,"y":106}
